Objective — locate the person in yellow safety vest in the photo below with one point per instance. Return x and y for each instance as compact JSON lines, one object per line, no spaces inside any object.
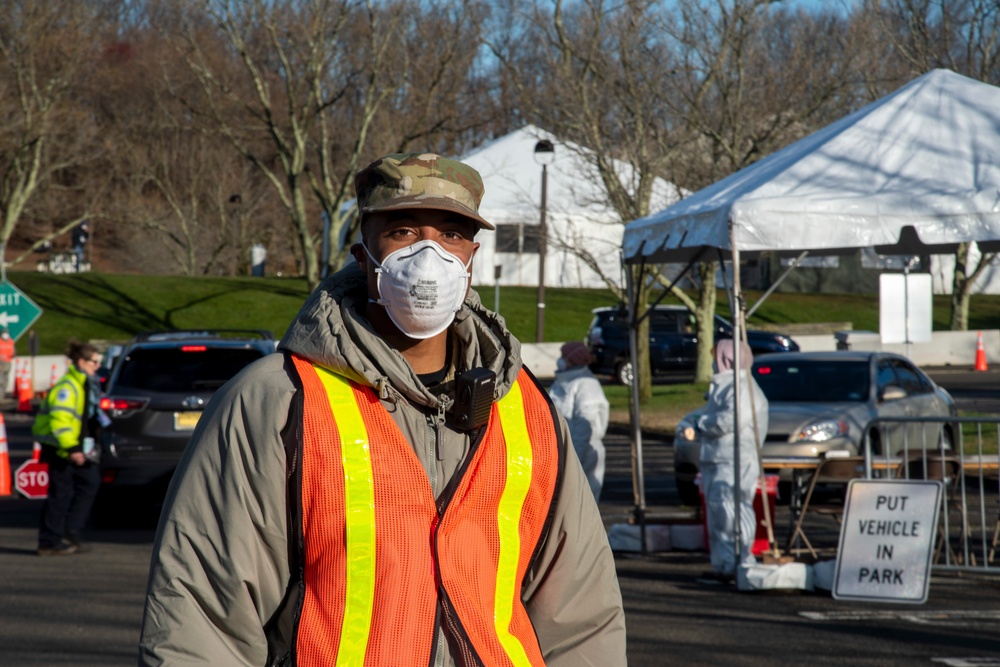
{"x":62,"y":428}
{"x":7,"y":354}
{"x":392,"y":487}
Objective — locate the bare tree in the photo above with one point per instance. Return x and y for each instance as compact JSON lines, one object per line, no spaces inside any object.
{"x":308,"y":70}
{"x":439,"y":102}
{"x":961,"y":35}
{"x":690,"y":91}
{"x":445,"y":103}
{"x":165,"y":168}
{"x":46,"y":137}
{"x":593,"y":73}
{"x":178,"y":179}
{"x":750,"y":79}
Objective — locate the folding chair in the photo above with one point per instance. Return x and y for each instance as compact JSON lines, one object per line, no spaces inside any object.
{"x":996,"y":528}
{"x":839,"y":470}
{"x":946,"y":469}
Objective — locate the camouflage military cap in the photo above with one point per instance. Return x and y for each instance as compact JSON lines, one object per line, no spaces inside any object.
{"x":420,"y":180}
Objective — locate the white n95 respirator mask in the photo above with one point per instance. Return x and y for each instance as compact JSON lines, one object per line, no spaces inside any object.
{"x":421,"y":287}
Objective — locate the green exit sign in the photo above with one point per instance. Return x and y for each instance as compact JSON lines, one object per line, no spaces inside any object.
{"x":17,"y":311}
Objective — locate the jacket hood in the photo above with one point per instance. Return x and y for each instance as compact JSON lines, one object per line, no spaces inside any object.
{"x":331,"y":330}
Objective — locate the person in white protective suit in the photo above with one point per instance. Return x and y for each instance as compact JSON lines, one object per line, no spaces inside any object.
{"x":579,"y":397}
{"x":717,"y":427}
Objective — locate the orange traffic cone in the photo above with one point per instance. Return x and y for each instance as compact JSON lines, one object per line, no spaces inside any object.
{"x":24,"y":391}
{"x":36,"y":451}
{"x":5,"y":477}
{"x":54,"y":377}
{"x":980,"y":354}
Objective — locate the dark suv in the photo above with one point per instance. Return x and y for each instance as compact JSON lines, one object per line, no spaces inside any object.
{"x":155,"y":396}
{"x":673,"y":345}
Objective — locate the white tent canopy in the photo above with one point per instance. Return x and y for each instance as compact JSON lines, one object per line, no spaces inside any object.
{"x":915,"y":172}
{"x":578,"y":216}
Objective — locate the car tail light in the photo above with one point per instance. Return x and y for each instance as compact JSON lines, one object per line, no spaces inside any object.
{"x":109,"y":476}
{"x":764,"y":370}
{"x":122,"y":407}
{"x":193,"y":348}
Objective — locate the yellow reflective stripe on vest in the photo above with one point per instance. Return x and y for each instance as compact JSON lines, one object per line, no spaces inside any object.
{"x":515,"y":490}
{"x":72,"y":411}
{"x":359,"y":513}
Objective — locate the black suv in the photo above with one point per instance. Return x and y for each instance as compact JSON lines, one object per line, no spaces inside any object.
{"x":155,"y":396}
{"x":673,"y":345}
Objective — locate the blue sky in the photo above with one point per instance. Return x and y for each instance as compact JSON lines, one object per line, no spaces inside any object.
{"x":843,"y":5}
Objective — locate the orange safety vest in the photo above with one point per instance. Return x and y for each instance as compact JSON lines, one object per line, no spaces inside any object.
{"x":6,"y":349}
{"x":381,"y":556}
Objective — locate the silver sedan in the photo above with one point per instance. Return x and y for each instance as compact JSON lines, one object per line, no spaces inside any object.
{"x":822,"y":401}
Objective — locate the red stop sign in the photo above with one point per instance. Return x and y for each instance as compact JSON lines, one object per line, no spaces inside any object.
{"x":32,"y":479}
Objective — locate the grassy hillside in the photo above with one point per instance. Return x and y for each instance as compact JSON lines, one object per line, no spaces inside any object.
{"x":114,"y":307}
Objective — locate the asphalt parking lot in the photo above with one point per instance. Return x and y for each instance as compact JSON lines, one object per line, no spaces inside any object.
{"x":86,"y":610}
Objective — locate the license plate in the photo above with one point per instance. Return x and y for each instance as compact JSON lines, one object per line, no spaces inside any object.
{"x":186,"y":421}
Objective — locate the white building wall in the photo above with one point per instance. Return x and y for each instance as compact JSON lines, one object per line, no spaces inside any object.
{"x":579,"y":219}
{"x":563,"y":266}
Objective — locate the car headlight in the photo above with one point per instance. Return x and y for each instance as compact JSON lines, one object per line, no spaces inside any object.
{"x":821,"y":431}
{"x":686,"y":431}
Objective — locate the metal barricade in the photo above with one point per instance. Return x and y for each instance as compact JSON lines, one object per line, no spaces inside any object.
{"x":961,"y":452}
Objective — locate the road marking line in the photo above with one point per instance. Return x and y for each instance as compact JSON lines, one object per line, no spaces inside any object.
{"x":926,"y":617}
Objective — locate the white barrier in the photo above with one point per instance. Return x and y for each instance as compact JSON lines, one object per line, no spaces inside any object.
{"x":42,"y":369}
{"x":966,"y":463}
{"x":540,"y":358}
{"x":946,"y":348}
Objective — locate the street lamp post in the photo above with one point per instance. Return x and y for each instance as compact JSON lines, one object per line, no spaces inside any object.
{"x":545,"y":153}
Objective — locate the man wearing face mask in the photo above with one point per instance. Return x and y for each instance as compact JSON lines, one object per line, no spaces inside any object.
{"x":392,"y":487}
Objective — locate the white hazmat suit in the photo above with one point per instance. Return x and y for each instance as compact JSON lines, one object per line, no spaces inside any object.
{"x":717,"y":427}
{"x":579,"y":397}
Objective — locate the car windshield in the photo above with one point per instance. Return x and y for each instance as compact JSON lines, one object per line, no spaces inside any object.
{"x":813,"y":380}
{"x":175,"y":369}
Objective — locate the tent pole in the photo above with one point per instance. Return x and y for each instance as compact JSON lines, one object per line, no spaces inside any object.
{"x":725,"y":286}
{"x":638,"y":482}
{"x":737,"y":362}
{"x":761,"y":477}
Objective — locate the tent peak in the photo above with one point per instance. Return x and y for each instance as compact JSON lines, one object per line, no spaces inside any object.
{"x":926,"y":156}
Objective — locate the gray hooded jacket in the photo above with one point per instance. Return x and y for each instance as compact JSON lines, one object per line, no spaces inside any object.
{"x":220,"y":588}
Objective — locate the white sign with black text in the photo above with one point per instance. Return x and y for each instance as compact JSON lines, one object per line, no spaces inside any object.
{"x":886,"y":540}
{"x":905,"y":305}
